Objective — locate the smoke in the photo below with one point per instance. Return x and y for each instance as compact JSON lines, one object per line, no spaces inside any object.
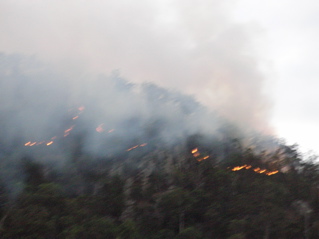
{"x":42,"y":107}
{"x":102,"y":77}
{"x":48,"y":116}
{"x":192,"y":46}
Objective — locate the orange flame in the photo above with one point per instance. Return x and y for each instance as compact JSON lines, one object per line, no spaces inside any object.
{"x":201,"y":159}
{"x":256,"y":170}
{"x":272,"y":172}
{"x":239,"y":168}
{"x":196,"y":154}
{"x":136,"y":146}
{"x":49,"y":143}
{"x":67,"y":131}
{"x":27,"y":144}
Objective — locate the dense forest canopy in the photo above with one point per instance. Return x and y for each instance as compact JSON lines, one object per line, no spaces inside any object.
{"x":100,"y":157}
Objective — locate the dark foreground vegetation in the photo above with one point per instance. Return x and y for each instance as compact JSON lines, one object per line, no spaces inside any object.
{"x":165,"y":193}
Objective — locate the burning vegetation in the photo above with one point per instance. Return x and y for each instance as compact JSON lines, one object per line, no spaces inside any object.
{"x":256,"y":170}
{"x":136,"y":146}
{"x":198,"y":156}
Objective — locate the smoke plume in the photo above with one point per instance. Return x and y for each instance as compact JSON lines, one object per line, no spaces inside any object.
{"x":192,"y":46}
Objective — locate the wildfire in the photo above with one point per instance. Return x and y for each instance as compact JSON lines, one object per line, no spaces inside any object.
{"x":194,"y":150}
{"x":49,"y":143}
{"x":27,"y":144}
{"x":99,"y":129}
{"x":237,"y":168}
{"x":80,"y":109}
{"x":201,"y":159}
{"x":256,"y":170}
{"x":136,"y":146}
{"x":67,"y":131}
{"x":196,"y":154}
{"x":271,"y":173}
{"x":30,"y":144}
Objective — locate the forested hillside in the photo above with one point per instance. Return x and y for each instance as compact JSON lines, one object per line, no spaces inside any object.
{"x":112,"y":159}
{"x":164,"y":193}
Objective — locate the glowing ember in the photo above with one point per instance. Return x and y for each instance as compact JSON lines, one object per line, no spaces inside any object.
{"x":196,"y":154}
{"x":136,"y":146}
{"x":100,"y":128}
{"x":239,"y":168}
{"x":256,"y":170}
{"x":194,"y":150}
{"x":67,"y":132}
{"x":201,"y":159}
{"x":69,"y":129}
{"x":49,"y":143}
{"x":30,"y":144}
{"x":271,"y":173}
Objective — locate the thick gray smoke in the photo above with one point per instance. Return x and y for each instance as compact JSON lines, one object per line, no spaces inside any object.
{"x":66,"y":99}
{"x":108,"y":114}
{"x":48,"y":116}
{"x":192,"y":46}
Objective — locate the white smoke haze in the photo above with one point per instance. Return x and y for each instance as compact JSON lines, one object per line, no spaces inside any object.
{"x":97,"y":78}
{"x":191,"y":46}
{"x":40,"y":106}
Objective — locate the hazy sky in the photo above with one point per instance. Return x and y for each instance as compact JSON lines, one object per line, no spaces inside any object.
{"x":292,"y":34}
{"x":254,"y":61}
